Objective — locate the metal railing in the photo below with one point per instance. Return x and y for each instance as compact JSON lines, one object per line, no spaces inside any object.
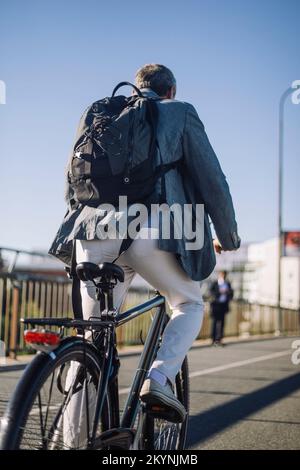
{"x":28,"y":295}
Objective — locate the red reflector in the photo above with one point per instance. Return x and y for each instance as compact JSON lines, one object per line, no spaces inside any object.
{"x":41,"y":337}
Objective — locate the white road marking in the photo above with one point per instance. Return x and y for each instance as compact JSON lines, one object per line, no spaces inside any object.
{"x":246,"y":362}
{"x":231,"y":365}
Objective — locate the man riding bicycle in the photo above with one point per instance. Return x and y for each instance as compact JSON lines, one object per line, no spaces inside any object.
{"x":171,"y":264}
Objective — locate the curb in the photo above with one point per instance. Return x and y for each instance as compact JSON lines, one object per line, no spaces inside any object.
{"x":22,"y":366}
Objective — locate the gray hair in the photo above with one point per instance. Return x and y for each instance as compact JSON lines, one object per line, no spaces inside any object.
{"x":155,"y":76}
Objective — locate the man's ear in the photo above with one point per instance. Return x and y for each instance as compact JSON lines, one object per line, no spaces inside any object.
{"x":171,"y":92}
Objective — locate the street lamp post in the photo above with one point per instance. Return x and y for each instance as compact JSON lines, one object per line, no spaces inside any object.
{"x":280,"y":185}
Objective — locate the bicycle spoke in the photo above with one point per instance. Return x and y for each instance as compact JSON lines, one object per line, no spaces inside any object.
{"x":166,"y":435}
{"x":87,"y":409}
{"x":41,"y":417}
{"x":50,"y":422}
{"x":58,"y":420}
{"x":49,"y":398}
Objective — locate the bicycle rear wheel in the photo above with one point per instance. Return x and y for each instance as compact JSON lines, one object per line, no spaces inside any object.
{"x":53,"y":405}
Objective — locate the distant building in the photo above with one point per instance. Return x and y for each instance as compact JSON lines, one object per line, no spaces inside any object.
{"x":254,"y":274}
{"x":261,"y":276}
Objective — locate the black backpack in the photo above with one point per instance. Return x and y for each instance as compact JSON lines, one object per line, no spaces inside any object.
{"x":115,"y":150}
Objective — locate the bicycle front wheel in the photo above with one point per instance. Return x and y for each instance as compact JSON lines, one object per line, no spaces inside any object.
{"x":53,"y":405}
{"x":159,"y":433}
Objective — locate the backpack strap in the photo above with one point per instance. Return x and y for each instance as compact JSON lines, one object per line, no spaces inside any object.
{"x":76,"y":295}
{"x":161,"y":172}
{"x":140,"y":94}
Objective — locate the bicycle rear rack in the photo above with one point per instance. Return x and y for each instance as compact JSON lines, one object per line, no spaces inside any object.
{"x":67,"y":322}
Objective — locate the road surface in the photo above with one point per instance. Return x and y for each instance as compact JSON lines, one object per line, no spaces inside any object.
{"x":243,"y":396}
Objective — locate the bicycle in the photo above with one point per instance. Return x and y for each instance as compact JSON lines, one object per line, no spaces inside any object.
{"x":68,"y":396}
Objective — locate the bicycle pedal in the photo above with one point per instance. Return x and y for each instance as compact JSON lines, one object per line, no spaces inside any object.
{"x":163,"y":412}
{"x":157,"y":408}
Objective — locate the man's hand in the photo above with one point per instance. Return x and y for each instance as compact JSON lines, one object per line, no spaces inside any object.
{"x":217,"y":246}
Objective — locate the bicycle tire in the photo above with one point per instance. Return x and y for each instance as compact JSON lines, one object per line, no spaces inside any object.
{"x":34,"y":377}
{"x":153,"y":437}
{"x":148,"y":440}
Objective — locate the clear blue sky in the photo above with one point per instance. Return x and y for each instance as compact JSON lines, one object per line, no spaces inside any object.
{"x":232,"y":60}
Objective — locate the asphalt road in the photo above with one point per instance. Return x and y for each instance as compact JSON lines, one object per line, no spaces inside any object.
{"x":243,"y":396}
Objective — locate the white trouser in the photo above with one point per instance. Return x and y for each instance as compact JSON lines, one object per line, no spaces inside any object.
{"x":160,"y":269}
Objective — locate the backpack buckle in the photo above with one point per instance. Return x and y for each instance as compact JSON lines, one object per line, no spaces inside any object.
{"x":68,"y":271}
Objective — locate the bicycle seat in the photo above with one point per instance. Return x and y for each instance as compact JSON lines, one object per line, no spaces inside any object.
{"x":107,"y":271}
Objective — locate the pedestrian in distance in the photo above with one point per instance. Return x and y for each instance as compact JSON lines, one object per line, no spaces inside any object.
{"x":221,"y":294}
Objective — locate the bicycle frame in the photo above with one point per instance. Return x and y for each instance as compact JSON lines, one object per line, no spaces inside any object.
{"x":111,"y":363}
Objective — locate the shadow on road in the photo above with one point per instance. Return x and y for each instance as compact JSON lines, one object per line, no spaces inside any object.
{"x":212,"y":421}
